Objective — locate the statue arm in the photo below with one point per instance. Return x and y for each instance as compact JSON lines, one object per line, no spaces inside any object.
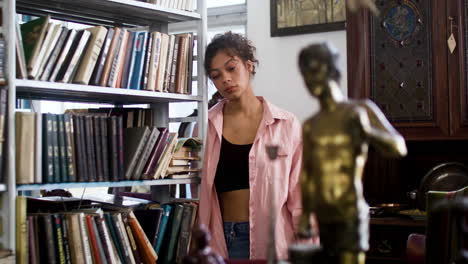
{"x":380,"y":132}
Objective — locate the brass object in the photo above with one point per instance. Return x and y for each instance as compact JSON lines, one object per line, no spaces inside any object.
{"x":336,"y":141}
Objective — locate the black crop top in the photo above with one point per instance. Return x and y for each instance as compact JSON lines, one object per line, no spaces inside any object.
{"x":232,"y":172}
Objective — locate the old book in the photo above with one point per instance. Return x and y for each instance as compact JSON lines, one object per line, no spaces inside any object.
{"x":63,"y":161}
{"x":169,"y":59}
{"x":120,"y":149}
{"x":99,"y":241}
{"x":64,"y":53}
{"x":144,"y":79}
{"x":106,"y":241}
{"x":98,"y":152}
{"x":131,"y":239}
{"x":97,"y":72}
{"x":138,"y":60}
{"x":113,"y":148}
{"x":154,"y":60}
{"x":91,"y":54}
{"x":33,"y":251}
{"x":90,"y":149}
{"x":47,"y":149}
{"x":172,"y":235}
{"x":102,"y":120}
{"x":114,"y":237}
{"x":127,"y":66}
{"x":76,"y":52}
{"x":66,"y":238}
{"x":162,"y":63}
{"x":122,"y":234}
{"x":74,"y":234}
{"x":117,"y":62}
{"x":153,"y":159}
{"x":93,"y":238}
{"x":21,"y":231}
{"x":56,"y":160}
{"x":145,"y":248}
{"x":181,"y":73}
{"x":37,"y":148}
{"x":163,"y":163}
{"x":143,"y":159}
{"x":45,"y":51}
{"x":168,"y":210}
{"x":70,"y":147}
{"x":88,"y":259}
{"x":135,"y":139}
{"x":25,"y":146}
{"x":184,"y":234}
{"x":54,"y":56}
{"x":58,"y":237}
{"x":81,"y":175}
{"x":33,"y":33}
{"x":173,"y":71}
{"x":21,"y":68}
{"x":114,"y":45}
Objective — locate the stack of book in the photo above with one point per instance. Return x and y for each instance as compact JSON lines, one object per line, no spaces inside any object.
{"x":185,"y":160}
{"x":112,"y":57}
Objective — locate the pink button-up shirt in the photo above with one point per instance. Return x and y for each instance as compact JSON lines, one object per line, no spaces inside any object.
{"x":277,"y":127}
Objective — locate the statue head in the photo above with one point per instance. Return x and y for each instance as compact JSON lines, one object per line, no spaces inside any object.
{"x":317,"y":63}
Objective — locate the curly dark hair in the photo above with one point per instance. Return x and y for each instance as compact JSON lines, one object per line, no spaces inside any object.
{"x":234,"y":45}
{"x":324,"y":54}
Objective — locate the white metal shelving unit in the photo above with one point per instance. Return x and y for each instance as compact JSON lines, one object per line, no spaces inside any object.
{"x":127,"y":13}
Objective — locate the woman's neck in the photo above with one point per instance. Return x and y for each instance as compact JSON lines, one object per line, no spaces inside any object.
{"x":248,"y":104}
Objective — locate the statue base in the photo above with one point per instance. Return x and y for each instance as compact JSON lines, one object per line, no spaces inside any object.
{"x":305,"y":254}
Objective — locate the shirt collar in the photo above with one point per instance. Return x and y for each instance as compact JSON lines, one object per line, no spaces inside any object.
{"x":270,"y":114}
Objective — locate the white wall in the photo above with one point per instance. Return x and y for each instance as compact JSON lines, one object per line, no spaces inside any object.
{"x":278,"y":77}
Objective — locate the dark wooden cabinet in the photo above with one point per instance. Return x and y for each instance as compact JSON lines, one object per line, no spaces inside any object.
{"x":388,"y":238}
{"x":401,"y":60}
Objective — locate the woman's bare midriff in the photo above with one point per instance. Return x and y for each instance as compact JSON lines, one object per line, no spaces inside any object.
{"x":235,"y":205}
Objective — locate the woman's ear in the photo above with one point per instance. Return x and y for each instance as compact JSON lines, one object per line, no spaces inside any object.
{"x":250,"y":66}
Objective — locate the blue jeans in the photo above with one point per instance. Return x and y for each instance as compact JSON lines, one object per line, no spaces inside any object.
{"x":237,"y":235}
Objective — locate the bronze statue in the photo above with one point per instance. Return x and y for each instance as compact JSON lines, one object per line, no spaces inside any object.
{"x":201,"y":252}
{"x":336,"y":141}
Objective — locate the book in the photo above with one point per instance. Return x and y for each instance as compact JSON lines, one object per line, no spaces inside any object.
{"x":111,"y":53}
{"x":172,"y":236}
{"x":184,"y":234}
{"x":126,"y":69}
{"x":70,"y":147}
{"x":151,"y":165}
{"x":154,"y":60}
{"x":21,"y":68}
{"x":91,"y":54}
{"x":138,"y":60}
{"x":58,"y":236}
{"x":52,"y":35}
{"x":147,"y":253}
{"x":63,"y":161}
{"x":65,"y":51}
{"x":66,"y":238}
{"x":76,"y":249}
{"x":37,"y":148}
{"x":162,"y":228}
{"x":25,"y":146}
{"x":47,"y":149}
{"x":33,"y":33}
{"x":88,"y":259}
{"x":159,"y":86}
{"x":143,"y":159}
{"x":76,"y":52}
{"x":116,"y":62}
{"x":166,"y":156}
{"x":21,"y":231}
{"x":114,"y":237}
{"x":97,"y":72}
{"x":135,"y":139}
{"x":54,"y":56}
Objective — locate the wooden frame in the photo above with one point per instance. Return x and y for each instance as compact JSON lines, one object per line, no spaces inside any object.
{"x":292,"y":17}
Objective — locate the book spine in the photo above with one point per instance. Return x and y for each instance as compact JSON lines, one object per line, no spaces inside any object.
{"x":51,"y":242}
{"x":80,"y":175}
{"x":59,"y":238}
{"x":120,"y":148}
{"x":69,"y":142}
{"x":55,"y":143}
{"x":85,"y":162}
{"x":139,"y":59}
{"x":66,"y":239}
{"x":63,"y":161}
{"x":113,"y":149}
{"x":113,"y":232}
{"x":127,"y":60}
{"x":90,"y":148}
{"x":21,"y":230}
{"x":98,"y":151}
{"x":104,"y":147}
{"x":85,"y":239}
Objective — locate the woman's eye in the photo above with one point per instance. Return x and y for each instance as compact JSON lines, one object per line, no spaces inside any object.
{"x":231,"y":69}
{"x":214,"y":77}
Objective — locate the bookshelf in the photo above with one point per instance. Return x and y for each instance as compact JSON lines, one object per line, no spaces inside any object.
{"x":122,"y":13}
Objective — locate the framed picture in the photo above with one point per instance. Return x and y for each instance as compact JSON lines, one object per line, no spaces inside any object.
{"x":291,"y":17}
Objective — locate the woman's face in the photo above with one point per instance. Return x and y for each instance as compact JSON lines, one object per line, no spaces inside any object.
{"x":230,"y":75}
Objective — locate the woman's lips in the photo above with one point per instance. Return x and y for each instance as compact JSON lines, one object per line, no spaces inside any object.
{"x":230,"y":89}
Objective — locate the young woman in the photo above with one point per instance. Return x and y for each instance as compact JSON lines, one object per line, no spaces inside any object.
{"x":238,"y":178}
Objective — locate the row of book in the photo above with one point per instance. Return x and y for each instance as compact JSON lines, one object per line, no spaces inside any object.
{"x":2,"y":60}
{"x":93,"y":232}
{"x":186,"y":5}
{"x":115,"y":57}
{"x":56,"y":148}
